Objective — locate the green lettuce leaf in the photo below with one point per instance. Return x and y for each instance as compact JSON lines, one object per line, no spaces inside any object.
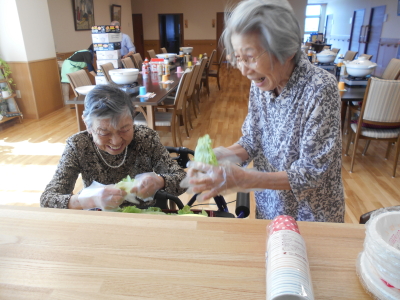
{"x":204,"y":152}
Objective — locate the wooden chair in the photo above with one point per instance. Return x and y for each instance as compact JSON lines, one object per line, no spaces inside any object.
{"x":367,"y":56}
{"x":151,"y":53}
{"x":379,"y":117}
{"x":170,"y":121}
{"x":77,"y":79}
{"x":350,"y":55}
{"x":199,"y":79}
{"x":163,"y":50}
{"x":215,"y":73}
{"x":392,"y":71}
{"x":128,"y":63}
{"x":105,"y":68}
{"x":190,"y":97}
{"x":336,"y":50}
{"x":204,"y":78}
{"x":137,"y":58}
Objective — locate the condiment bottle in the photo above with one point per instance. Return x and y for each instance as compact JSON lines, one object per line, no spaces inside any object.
{"x":166,"y":67}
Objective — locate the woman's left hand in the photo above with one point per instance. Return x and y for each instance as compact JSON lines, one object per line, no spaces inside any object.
{"x":223,"y":179}
{"x":147,"y":184}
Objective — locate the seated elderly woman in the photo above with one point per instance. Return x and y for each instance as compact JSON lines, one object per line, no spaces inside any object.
{"x":292,"y":129}
{"x":111,"y":148}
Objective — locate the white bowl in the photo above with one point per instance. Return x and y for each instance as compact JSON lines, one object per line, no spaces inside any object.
{"x":326,"y":56}
{"x":124,"y":76}
{"x":84,"y":90}
{"x":187,"y":50}
{"x":170,"y":56}
{"x":360,"y":67}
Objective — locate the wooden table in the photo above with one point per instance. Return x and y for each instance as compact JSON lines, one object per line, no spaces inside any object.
{"x":67,"y":254}
{"x":153,"y":85}
{"x":351,"y":94}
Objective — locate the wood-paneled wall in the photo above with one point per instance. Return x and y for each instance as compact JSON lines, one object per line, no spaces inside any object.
{"x":39,"y":84}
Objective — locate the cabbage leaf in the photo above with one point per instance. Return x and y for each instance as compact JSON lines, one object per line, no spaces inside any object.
{"x":204,"y":152}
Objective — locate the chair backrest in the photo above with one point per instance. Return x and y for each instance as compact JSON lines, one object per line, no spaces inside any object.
{"x":367,"y":56}
{"x":382,"y":101}
{"x":128,"y":63}
{"x":138,"y":60}
{"x":195,"y":73}
{"x":210,"y":60}
{"x":181,"y":92}
{"x":163,"y":50}
{"x":350,"y":55}
{"x":202,"y":67}
{"x":336,"y":50}
{"x":107,"y":67}
{"x":77,"y":79}
{"x":222,"y":56}
{"x":392,"y":70}
{"x":151,"y":53}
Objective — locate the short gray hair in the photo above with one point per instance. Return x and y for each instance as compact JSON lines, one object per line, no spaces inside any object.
{"x":115,"y":23}
{"x":272,"y":20}
{"x":107,"y":101}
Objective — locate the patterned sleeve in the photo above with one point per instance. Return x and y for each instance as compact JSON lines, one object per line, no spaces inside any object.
{"x":59,"y":191}
{"x":165,"y":166}
{"x":248,"y":140}
{"x":320,"y":141}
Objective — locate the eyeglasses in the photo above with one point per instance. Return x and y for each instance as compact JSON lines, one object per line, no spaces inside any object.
{"x":249,"y":62}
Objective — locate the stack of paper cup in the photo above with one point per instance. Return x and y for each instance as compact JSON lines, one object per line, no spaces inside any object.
{"x":288,"y":272}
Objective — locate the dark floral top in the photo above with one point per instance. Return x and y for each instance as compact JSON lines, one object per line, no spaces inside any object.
{"x":145,"y":154}
{"x":298,"y":132}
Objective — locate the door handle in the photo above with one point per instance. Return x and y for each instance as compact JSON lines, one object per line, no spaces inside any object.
{"x":361,"y":37}
{"x":366,"y":36}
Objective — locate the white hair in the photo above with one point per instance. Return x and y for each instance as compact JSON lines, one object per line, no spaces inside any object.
{"x":272,"y":20}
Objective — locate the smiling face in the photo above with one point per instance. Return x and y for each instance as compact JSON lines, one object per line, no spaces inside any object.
{"x":110,"y":139}
{"x":266,"y":71}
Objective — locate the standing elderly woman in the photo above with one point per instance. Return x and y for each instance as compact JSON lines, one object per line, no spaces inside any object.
{"x":111,"y":148}
{"x":292,"y":130}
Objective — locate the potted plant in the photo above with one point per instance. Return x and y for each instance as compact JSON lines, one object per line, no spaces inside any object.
{"x":5,"y":91}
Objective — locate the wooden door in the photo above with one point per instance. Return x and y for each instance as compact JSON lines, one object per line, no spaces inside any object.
{"x":356,"y":38}
{"x":374,"y":31}
{"x":220,"y":29}
{"x":138,"y":39}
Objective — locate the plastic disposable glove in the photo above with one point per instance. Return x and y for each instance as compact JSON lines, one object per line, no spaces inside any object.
{"x":106,"y":197}
{"x":225,"y":155}
{"x":146,"y":185}
{"x":216,"y":180}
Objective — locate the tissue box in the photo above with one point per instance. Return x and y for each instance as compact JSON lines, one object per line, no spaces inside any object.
{"x":101,"y":80}
{"x":105,"y":29}
{"x":114,"y":54}
{"x":116,"y":62}
{"x":106,"y":46}
{"x":106,"y":37}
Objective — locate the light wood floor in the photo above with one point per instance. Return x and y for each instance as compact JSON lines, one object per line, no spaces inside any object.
{"x":29,"y":152}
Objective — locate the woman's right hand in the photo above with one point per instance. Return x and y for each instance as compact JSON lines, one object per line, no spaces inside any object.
{"x":106,"y":197}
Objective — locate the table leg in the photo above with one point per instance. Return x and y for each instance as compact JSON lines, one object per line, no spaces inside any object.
{"x":79,"y":108}
{"x":150,"y":116}
{"x":343,"y":113}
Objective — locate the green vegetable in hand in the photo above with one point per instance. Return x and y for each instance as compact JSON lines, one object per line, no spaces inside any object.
{"x":186,"y":211}
{"x":126,"y":184}
{"x":204,"y":152}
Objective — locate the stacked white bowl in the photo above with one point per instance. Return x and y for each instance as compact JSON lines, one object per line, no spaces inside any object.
{"x":378,"y":266}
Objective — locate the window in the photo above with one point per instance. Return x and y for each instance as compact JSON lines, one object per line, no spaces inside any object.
{"x":313,"y":17}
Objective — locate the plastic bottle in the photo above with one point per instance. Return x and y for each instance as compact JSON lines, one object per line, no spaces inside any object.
{"x":145,"y":68}
{"x":159,"y":68}
{"x":310,"y":54}
{"x":166,"y":70}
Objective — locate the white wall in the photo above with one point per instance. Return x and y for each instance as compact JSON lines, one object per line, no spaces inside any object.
{"x":342,"y":11}
{"x":66,"y":39}
{"x":12,"y":46}
{"x":198,"y":13}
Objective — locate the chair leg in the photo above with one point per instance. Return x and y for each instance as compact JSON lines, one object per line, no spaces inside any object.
{"x":356,"y":138}
{"x":178,"y":132}
{"x":173,"y":132}
{"x":366,"y":147}
{"x":396,"y":157}
{"x":388,"y":150}
{"x":219,"y":88}
{"x":348,"y":143}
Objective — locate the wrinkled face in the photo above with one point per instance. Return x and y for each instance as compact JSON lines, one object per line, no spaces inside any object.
{"x":110,"y":139}
{"x":257,"y":65}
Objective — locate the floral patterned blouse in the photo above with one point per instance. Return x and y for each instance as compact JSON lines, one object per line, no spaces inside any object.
{"x":145,"y":154}
{"x":298,"y":132}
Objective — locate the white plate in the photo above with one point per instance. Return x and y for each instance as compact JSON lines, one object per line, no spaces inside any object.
{"x":83,"y":90}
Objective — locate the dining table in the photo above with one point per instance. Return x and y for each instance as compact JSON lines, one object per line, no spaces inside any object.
{"x":349,"y":94}
{"x":153,"y":83}
{"x":50,"y":253}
